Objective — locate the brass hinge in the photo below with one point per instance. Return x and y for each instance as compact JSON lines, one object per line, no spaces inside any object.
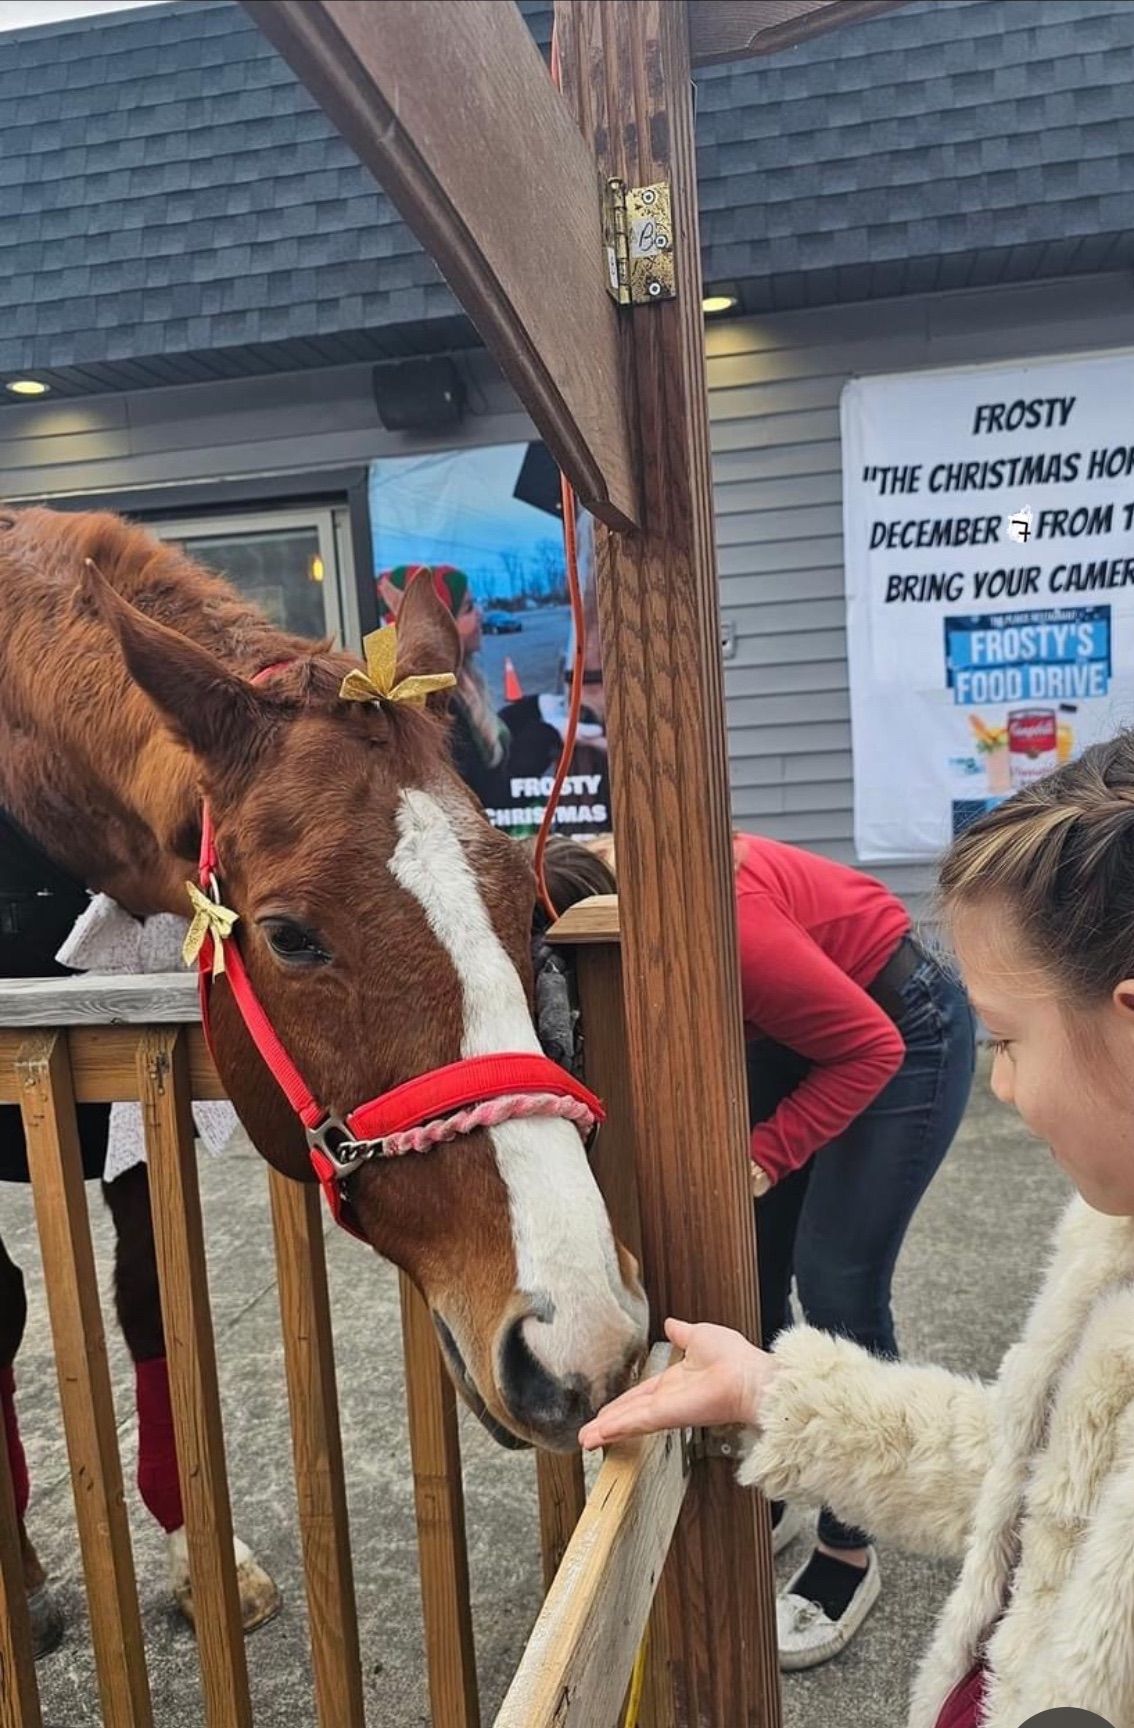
{"x":703,"y":1443}
{"x":637,"y":229}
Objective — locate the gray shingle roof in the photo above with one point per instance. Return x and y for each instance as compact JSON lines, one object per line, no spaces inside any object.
{"x":173,"y":205}
{"x":943,"y":145}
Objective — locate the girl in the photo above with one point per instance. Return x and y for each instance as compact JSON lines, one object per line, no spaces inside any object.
{"x":1030,"y":1479}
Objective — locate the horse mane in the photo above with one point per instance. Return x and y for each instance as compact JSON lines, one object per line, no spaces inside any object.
{"x":81,"y":740}
{"x":167,"y":585}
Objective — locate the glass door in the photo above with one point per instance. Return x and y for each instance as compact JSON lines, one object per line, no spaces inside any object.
{"x":293,"y":564}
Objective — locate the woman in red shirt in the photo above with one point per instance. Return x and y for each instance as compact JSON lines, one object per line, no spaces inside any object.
{"x":860,"y":1062}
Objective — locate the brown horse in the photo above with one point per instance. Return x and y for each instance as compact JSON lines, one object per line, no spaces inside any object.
{"x":385,"y":926}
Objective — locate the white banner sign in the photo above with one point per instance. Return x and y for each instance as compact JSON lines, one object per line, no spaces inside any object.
{"x":988,"y":517}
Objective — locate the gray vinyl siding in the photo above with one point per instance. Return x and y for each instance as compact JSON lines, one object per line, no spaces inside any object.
{"x":231,"y":430}
{"x":774,"y":387}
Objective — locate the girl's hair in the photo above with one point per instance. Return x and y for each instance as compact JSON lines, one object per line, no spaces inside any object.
{"x":601,"y":846}
{"x":572,"y":872}
{"x":1060,"y":856}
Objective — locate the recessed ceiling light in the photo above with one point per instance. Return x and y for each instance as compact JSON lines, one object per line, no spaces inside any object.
{"x":719,"y":303}
{"x":27,"y":387}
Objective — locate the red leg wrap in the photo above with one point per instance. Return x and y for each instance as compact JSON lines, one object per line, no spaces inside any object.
{"x":17,"y":1461}
{"x":157,"y":1451}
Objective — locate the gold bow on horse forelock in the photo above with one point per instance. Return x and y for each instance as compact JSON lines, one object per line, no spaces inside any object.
{"x":377,"y":684}
{"x":209,"y":919}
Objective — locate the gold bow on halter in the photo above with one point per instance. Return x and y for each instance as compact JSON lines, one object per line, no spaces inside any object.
{"x":377,"y":684}
{"x":209,"y":919}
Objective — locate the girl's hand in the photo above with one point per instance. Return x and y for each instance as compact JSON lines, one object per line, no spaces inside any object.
{"x":720,"y":1381}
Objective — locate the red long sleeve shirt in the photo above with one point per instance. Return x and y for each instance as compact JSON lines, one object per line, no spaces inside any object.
{"x":813,"y":936}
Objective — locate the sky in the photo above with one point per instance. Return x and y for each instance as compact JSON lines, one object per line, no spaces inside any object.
{"x":22,"y":14}
{"x":458,"y":508}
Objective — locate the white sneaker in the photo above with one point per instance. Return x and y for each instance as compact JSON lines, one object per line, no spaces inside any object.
{"x":806,"y":1635}
{"x":790,"y":1528}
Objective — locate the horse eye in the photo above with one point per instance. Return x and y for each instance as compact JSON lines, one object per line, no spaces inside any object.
{"x":294,"y":942}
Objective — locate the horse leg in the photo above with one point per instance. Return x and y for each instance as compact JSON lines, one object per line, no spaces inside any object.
{"x":137,"y":1301}
{"x":43,"y":1609}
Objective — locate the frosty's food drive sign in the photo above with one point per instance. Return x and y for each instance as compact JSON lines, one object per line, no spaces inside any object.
{"x":988,"y":520}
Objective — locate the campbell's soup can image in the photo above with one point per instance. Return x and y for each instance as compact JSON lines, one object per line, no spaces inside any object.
{"x":1033,"y":744}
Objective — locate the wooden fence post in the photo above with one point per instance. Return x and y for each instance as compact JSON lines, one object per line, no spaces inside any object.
{"x":562,"y":1490}
{"x":48,"y":1106}
{"x":163,"y":1087}
{"x":320,"y":1485}
{"x":439,"y":1500}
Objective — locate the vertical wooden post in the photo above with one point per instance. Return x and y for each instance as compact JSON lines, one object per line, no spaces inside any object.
{"x":439,"y":1501}
{"x":19,"y":1695}
{"x":626,"y":70}
{"x":309,"y":1354}
{"x":163,"y":1087}
{"x":48,"y":1105}
{"x":562,"y":1495}
{"x":598,"y":974}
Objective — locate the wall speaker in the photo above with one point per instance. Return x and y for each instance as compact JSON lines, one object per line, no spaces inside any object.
{"x":418,"y":395}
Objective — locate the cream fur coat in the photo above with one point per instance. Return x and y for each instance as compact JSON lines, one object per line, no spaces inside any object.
{"x":1030,"y":1480}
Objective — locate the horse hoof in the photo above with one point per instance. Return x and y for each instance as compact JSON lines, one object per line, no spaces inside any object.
{"x":46,"y":1618}
{"x":260,"y":1600}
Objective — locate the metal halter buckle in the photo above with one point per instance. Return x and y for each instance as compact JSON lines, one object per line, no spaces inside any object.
{"x":344,"y":1153}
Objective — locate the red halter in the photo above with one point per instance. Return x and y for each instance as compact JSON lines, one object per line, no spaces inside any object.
{"x":421,"y":1112}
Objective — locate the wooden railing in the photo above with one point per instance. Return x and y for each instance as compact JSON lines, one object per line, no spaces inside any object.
{"x":78,"y":1040}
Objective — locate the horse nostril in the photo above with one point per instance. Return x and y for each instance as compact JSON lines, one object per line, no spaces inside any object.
{"x":534,"y":1396}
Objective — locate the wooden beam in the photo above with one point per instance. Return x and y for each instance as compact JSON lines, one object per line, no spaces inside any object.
{"x":626,"y":70}
{"x":449,"y":105}
{"x":737,"y":29}
{"x":100,"y":999}
{"x":102,"y":1064}
{"x":578,"y":1660}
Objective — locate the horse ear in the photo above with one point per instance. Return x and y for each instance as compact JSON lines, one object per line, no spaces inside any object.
{"x":211,"y":710}
{"x":427,"y":635}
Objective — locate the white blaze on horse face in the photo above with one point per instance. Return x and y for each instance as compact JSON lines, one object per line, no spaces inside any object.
{"x":565,"y":1255}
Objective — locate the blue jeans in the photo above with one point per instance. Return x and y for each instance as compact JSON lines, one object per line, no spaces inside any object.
{"x":837,"y":1225}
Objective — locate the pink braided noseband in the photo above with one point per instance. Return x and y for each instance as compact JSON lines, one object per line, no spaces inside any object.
{"x":490,"y":1114}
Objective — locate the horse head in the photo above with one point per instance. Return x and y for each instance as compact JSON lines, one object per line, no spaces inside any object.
{"x":386,"y":929}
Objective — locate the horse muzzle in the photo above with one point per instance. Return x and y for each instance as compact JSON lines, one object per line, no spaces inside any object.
{"x":527,"y":1405}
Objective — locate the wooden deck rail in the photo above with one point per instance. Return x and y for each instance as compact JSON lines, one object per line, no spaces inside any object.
{"x":578,"y":1662}
{"x":94,"y":1039}
{"x":87,"y":1039}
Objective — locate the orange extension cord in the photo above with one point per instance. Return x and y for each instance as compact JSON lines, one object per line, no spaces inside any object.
{"x":567,"y":492}
{"x":572,"y":727}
